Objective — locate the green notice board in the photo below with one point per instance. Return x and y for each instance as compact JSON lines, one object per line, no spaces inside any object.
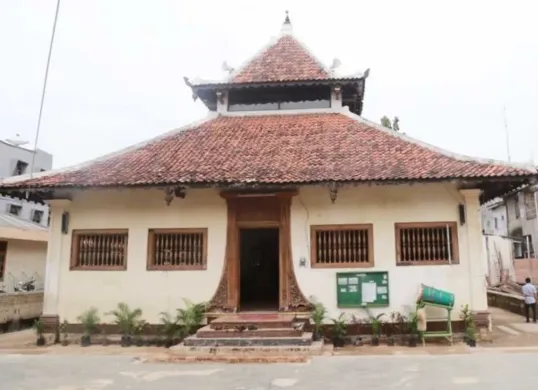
{"x":362,"y":289}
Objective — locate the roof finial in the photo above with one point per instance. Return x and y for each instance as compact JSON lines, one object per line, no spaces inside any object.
{"x":286,"y":27}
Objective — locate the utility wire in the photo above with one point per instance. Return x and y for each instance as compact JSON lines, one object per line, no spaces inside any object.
{"x":44,"y":88}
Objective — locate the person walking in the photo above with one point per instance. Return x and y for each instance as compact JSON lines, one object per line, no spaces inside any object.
{"x":529,"y":292}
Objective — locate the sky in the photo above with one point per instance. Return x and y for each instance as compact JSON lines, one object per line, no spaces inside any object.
{"x":445,"y":68}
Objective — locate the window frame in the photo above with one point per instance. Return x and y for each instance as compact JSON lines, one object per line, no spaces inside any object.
{"x":18,"y":206}
{"x":454,"y":250}
{"x":337,"y":227}
{"x":75,"y":243}
{"x":34,"y":211}
{"x":150,"y":259}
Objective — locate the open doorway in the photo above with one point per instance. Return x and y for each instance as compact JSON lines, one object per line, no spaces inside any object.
{"x":259,"y":258}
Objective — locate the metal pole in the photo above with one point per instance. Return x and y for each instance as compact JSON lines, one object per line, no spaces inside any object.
{"x":44,"y":87}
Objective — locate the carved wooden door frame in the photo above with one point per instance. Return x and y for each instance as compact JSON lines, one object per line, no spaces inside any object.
{"x":274,"y":211}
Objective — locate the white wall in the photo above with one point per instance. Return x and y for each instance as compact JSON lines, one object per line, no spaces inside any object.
{"x":153,"y":291}
{"x":157,"y":291}
{"x":383,"y":206}
{"x":23,"y":260}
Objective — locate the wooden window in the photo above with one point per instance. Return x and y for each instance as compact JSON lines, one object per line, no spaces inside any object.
{"x":3,"y":252}
{"x":341,"y":246}
{"x":427,"y":243}
{"x":177,"y":249}
{"x":99,"y":250}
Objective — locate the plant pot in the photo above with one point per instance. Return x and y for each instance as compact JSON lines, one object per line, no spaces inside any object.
{"x":316,"y":337}
{"x":85,"y":341}
{"x":168,"y":343}
{"x":65,"y":343}
{"x":159,"y":343}
{"x":126,"y":341}
{"x":40,"y":341}
{"x":338,"y":342}
{"x":471,"y":343}
{"x":391,"y":341}
{"x":139,"y":343}
{"x":375,"y":341}
{"x":413,"y":340}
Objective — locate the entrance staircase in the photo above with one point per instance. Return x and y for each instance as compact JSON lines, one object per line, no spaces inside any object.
{"x":252,"y":334}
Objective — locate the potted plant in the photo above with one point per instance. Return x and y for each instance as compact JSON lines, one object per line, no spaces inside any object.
{"x":470,"y":332}
{"x":63,"y":330}
{"x":377,"y":325}
{"x":317,"y":316}
{"x":339,"y":331}
{"x":39,"y":327}
{"x":413,"y":330}
{"x":191,"y":316}
{"x":127,"y":321}
{"x":89,"y":320}
{"x":170,"y":328}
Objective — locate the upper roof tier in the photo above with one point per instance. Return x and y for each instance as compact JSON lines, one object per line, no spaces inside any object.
{"x":284,"y":59}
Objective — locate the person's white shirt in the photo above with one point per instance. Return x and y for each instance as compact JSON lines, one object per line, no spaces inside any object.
{"x":529,"y":292}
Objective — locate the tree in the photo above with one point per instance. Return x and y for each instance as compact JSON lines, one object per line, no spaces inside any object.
{"x":394,"y":125}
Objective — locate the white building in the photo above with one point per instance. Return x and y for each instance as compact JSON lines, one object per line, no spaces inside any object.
{"x":282,"y":195}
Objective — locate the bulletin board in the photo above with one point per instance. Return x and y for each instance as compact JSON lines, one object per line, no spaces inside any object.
{"x":362,"y":289}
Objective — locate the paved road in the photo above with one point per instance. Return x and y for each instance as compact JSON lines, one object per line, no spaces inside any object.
{"x":476,"y":371}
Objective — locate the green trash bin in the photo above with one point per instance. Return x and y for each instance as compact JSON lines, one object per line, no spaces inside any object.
{"x":438,"y":297}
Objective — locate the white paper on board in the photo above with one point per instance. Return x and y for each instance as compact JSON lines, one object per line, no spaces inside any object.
{"x":369,"y":292}
{"x":382,"y":290}
{"x":342,"y":281}
{"x":353,"y":289}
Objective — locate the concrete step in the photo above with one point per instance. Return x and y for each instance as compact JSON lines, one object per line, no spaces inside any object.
{"x":304,"y":339}
{"x":316,"y":348}
{"x":208,"y":333}
{"x":261,"y":321}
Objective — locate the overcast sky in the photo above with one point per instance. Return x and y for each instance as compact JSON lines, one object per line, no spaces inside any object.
{"x":445,"y":68}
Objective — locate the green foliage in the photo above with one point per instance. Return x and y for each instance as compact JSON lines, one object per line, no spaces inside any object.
{"x":375,"y":322}
{"x":171,"y":327}
{"x":393,"y":125}
{"x":318,"y":316}
{"x":468,"y":321}
{"x":191,"y":316}
{"x":127,"y":320}
{"x":39,"y":327}
{"x":89,"y":319}
{"x":339,"y":329}
{"x":412,"y":324}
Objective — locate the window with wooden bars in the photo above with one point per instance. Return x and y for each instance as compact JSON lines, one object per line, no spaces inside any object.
{"x":99,"y":250}
{"x":427,"y":243}
{"x":3,"y":252}
{"x":177,"y":249}
{"x":341,"y":246}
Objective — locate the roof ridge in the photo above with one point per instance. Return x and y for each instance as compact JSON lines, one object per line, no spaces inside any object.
{"x":437,"y":149}
{"x":15,"y":179}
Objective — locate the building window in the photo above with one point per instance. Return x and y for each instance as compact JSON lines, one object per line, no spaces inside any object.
{"x":3,"y":251}
{"x":20,"y":168}
{"x":14,"y":209}
{"x":99,"y":250}
{"x":517,"y":210}
{"x":427,"y":243}
{"x":177,"y":249}
{"x":518,"y":250}
{"x":496,"y":223}
{"x":528,"y":248}
{"x":37,"y":216}
{"x":341,"y":246}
